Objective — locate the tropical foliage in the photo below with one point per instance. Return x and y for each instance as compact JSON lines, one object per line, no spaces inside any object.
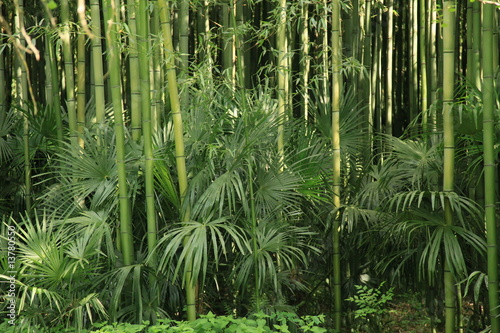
{"x":213,"y":162}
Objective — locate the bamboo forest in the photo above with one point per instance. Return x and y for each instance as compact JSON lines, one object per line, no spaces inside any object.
{"x":249,"y":166}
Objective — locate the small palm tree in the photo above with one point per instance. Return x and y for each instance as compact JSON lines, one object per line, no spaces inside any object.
{"x":55,"y":277}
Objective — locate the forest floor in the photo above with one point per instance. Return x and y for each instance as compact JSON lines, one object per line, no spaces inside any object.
{"x":408,"y":315}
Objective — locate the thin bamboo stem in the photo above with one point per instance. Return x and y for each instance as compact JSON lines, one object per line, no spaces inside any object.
{"x":336,"y":176}
{"x":449,"y":149}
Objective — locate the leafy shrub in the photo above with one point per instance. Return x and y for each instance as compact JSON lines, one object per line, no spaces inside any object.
{"x":259,"y":323}
{"x":371,"y":306}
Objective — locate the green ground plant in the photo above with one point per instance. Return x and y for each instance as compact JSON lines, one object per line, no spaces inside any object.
{"x":283,"y":322}
{"x":372,"y":310}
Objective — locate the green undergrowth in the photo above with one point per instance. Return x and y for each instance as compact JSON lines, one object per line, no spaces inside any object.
{"x":210,"y":323}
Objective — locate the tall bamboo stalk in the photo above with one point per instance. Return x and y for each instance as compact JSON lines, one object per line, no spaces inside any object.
{"x":180,"y":157}
{"x":282,"y":73}
{"x":97,"y":65}
{"x":146,"y":124}
{"x":476,"y":44}
{"x":80,"y":94}
{"x":365,"y":85}
{"x":114,"y":66}
{"x":21,"y":95}
{"x":449,"y":149}
{"x":422,"y":41}
{"x":305,"y":59}
{"x":489,"y":103}
{"x":413,"y":59}
{"x":469,"y":40}
{"x":433,"y":66}
{"x":147,"y":129}
{"x":184,"y":47}
{"x":135,"y":85}
{"x":336,"y":179}
{"x":157,"y":87}
{"x":65,"y":35}
{"x":3,"y":92}
{"x":389,"y":69}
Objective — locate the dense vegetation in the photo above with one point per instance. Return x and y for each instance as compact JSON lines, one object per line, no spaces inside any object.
{"x":164,"y":160}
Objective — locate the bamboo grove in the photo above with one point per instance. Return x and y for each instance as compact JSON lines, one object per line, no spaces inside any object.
{"x":170,"y":158}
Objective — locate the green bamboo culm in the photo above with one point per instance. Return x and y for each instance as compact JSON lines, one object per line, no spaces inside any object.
{"x":21,"y":98}
{"x":65,"y":35}
{"x":423,"y":67}
{"x":116,"y":98}
{"x":183,"y":20}
{"x":80,"y":94}
{"x":180,"y":157}
{"x":489,"y":164}
{"x":282,"y":76}
{"x":146,"y":123}
{"x":389,"y":70}
{"x":449,"y":149}
{"x":336,"y":179}
{"x":134,"y":68}
{"x":97,"y":63}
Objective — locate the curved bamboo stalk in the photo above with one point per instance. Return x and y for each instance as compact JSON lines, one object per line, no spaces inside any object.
{"x":180,"y":157}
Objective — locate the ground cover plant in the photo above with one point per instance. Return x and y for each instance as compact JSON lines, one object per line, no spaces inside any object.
{"x":249,"y":164}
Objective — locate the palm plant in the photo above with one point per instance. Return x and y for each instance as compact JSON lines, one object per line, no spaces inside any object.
{"x":413,"y":220}
{"x":54,"y":275}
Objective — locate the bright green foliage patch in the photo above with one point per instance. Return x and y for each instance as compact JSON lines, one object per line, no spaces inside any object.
{"x":371,"y":306}
{"x":259,"y":323}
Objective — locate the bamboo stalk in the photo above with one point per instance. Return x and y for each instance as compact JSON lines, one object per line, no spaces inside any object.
{"x":134,"y":68}
{"x":489,"y":103}
{"x":305,"y":62}
{"x":97,"y":64}
{"x":422,"y":41}
{"x":114,"y":66}
{"x":180,"y":157}
{"x":336,"y":178}
{"x":69,"y":74}
{"x":449,"y":149}
{"x":80,"y":94}
{"x":389,"y":69}
{"x":282,"y":73}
